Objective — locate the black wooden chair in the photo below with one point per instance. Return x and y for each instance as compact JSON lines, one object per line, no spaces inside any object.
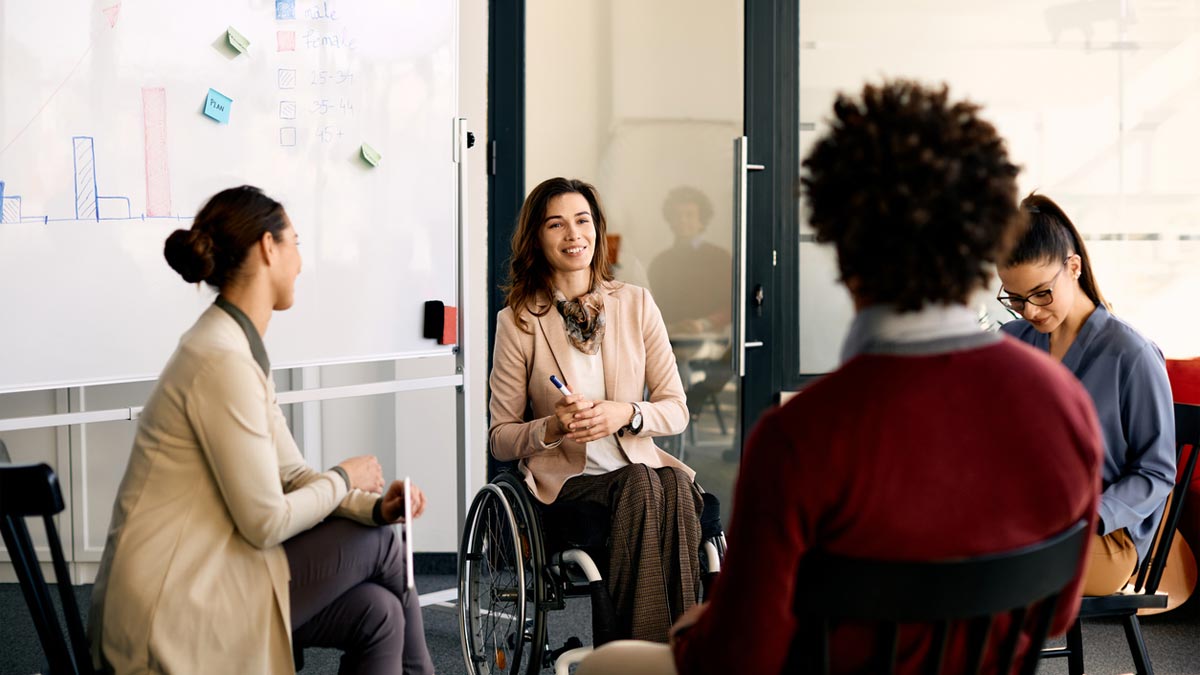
{"x":947,"y":595}
{"x":32,"y":490}
{"x":1143,"y":593}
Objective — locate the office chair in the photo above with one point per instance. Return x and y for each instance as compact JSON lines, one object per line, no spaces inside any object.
{"x":957,"y":598}
{"x":1143,"y":592}
{"x":32,"y":490}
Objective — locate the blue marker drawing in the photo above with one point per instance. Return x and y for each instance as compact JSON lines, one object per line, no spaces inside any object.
{"x":85,"y":178}
{"x":102,"y":200}
{"x":87,"y":201}
{"x":11,"y":212}
{"x":285,"y":9}
{"x":217,"y":106}
{"x":10,"y":207}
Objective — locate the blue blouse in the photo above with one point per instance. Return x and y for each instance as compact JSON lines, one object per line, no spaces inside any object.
{"x":1127,"y":378}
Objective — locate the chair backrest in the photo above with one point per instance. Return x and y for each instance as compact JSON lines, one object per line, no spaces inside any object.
{"x":32,"y":490}
{"x":943,"y":596}
{"x":1187,"y":432}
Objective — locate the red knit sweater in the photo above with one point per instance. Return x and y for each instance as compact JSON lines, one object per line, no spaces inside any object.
{"x":897,"y":457}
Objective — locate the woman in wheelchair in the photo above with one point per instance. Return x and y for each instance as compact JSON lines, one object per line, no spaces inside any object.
{"x":606,"y":342}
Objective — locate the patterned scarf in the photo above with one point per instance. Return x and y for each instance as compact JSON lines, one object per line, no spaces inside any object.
{"x":583,"y":319}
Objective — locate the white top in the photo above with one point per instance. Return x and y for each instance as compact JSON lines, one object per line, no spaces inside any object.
{"x":603,"y":455}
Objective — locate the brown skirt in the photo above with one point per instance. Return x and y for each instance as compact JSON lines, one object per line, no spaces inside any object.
{"x":653,"y":564}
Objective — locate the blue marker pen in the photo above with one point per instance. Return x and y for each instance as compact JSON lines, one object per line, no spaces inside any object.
{"x":561,"y":387}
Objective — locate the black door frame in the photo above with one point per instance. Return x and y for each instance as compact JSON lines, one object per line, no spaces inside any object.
{"x":772,"y":121}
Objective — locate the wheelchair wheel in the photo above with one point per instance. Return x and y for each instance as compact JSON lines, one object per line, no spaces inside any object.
{"x":501,"y":590}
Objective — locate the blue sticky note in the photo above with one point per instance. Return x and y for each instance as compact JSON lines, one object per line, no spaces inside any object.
{"x":285,"y":9}
{"x":217,"y":106}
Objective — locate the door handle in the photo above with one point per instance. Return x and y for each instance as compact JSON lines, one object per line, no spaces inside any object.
{"x":741,"y":172}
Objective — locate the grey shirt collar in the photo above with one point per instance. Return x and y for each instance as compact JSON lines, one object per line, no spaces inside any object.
{"x":933,"y":329}
{"x":257,"y":349}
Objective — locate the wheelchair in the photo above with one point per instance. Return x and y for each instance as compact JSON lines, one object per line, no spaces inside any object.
{"x":517,"y":563}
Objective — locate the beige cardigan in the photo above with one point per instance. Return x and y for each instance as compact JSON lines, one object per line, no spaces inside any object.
{"x":637,"y":355}
{"x":193,"y":578}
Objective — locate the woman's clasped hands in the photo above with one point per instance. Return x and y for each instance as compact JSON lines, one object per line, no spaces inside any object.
{"x":584,"y":421}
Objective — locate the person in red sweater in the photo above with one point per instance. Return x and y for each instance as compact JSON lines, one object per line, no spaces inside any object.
{"x":933,"y":439}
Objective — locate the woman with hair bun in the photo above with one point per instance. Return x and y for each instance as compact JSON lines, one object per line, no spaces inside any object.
{"x":222,"y":548}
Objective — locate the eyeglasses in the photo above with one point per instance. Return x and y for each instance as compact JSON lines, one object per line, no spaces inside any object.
{"x":1016,"y":303}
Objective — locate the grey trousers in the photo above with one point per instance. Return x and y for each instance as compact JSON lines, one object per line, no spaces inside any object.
{"x":348,"y":592}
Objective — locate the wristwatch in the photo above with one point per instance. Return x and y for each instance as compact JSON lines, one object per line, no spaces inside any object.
{"x":635,"y":421}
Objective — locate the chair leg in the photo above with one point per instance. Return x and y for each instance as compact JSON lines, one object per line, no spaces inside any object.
{"x":1075,"y":645}
{"x":720,"y":417}
{"x":1137,"y":646}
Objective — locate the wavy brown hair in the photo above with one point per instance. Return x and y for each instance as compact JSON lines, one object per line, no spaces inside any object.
{"x":1052,"y":237}
{"x":529,"y":272}
{"x":915,"y":191}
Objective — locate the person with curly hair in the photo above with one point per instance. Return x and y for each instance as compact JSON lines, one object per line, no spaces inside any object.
{"x":1048,"y":282}
{"x":896,"y":454}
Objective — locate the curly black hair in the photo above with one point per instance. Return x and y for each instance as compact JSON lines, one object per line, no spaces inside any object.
{"x":915,"y":191}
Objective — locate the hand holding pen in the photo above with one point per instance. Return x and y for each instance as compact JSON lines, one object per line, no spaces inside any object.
{"x":584,"y":421}
{"x":564,"y":411}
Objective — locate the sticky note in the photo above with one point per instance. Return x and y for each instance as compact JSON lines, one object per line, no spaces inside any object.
{"x":371,"y":155}
{"x":217,"y":106}
{"x":237,"y":40}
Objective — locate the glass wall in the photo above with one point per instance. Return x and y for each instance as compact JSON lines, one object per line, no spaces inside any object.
{"x":644,"y":100}
{"x":1097,"y":100}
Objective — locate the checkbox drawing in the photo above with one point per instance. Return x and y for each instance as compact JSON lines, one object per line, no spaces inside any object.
{"x":285,"y":9}
{"x":287,"y":110}
{"x":287,"y":136}
{"x":285,"y":40}
{"x":287,"y":78}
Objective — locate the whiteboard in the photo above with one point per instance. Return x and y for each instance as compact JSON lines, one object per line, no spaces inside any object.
{"x":105,"y":150}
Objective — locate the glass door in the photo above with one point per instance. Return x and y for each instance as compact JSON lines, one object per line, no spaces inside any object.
{"x":645,"y":100}
{"x":1096,"y":101}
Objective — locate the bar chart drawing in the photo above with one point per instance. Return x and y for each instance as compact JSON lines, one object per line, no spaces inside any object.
{"x":87,"y":202}
{"x":85,"y":178}
{"x":10,"y":206}
{"x":158,"y":177}
{"x":91,"y":206}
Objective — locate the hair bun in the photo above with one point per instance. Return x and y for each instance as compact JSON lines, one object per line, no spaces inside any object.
{"x":190,"y":253}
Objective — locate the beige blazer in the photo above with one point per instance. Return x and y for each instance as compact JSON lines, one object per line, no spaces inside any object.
{"x":637,"y":356}
{"x":193,"y":577}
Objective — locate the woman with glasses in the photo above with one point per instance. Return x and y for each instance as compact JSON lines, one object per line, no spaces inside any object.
{"x":1048,"y":283}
